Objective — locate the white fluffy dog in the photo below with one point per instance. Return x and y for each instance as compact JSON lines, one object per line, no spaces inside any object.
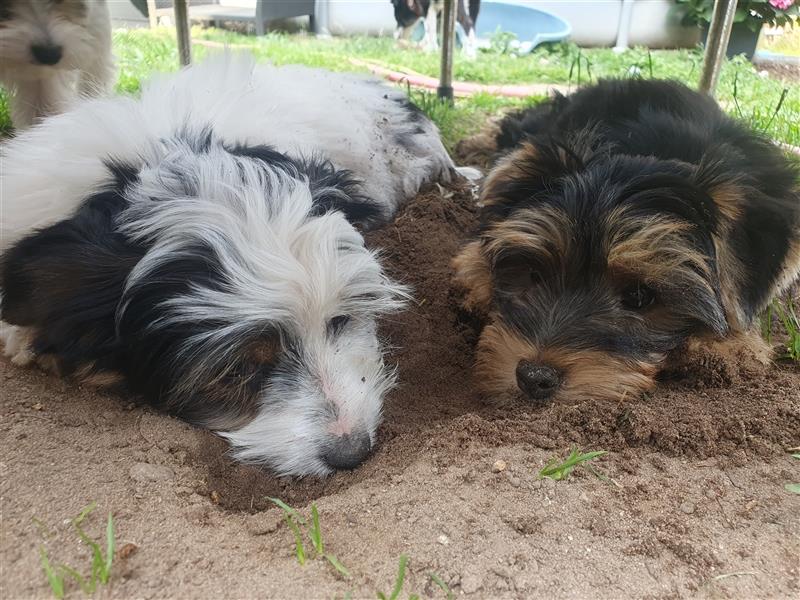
{"x":200,"y":242}
{"x":51,"y":52}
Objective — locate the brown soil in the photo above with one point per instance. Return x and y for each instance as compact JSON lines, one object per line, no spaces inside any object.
{"x":692,"y":502}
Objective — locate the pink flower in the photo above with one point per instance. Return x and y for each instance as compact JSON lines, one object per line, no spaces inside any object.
{"x":781,"y":4}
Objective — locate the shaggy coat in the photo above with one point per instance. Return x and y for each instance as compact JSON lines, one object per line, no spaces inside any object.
{"x":626,"y":225}
{"x":51,"y":53}
{"x":198,"y":243}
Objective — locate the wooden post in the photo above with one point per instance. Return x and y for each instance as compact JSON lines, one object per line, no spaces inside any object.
{"x":445,"y":89}
{"x":719,"y":32}
{"x":184,"y":34}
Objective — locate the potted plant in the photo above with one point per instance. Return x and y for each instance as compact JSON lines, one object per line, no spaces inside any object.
{"x":751,"y":15}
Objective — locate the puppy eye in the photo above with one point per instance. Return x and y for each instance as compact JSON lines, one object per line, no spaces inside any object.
{"x":516,"y":274}
{"x":637,"y":296}
{"x":336,"y":324}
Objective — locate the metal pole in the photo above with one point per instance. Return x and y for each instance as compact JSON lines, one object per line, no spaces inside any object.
{"x":445,"y":89}
{"x":624,"y":27}
{"x":151,"y":13}
{"x":719,"y":32}
{"x":184,"y":36}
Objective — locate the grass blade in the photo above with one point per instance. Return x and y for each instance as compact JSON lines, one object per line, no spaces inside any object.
{"x":442,"y":585}
{"x":287,"y":509}
{"x":793,"y":488}
{"x":558,"y":471}
{"x":88,"y":587}
{"x":56,"y":582}
{"x":298,"y":540}
{"x":401,"y":576}
{"x":316,"y":532}
{"x":111,"y":546}
{"x":338,"y":566}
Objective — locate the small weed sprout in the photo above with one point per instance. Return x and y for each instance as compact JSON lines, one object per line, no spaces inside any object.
{"x":787,"y":315}
{"x":297,"y":524}
{"x":442,"y":585}
{"x":398,"y":583}
{"x":101,"y":562}
{"x":558,"y":470}
{"x":791,"y":323}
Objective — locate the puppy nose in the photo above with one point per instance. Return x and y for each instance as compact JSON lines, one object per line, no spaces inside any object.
{"x":345,"y":452}
{"x":47,"y":54}
{"x":539,"y":382}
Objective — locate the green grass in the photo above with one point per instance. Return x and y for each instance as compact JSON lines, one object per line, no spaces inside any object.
{"x":441,"y":585}
{"x":786,"y":313}
{"x":101,"y":562}
{"x":398,"y":582}
{"x":142,"y":52}
{"x":558,"y":469}
{"x":299,"y":525}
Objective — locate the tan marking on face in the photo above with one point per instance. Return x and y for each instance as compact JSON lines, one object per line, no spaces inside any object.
{"x":728,"y":198}
{"x":472,"y":274}
{"x":518,"y":165}
{"x":656,"y":249}
{"x":544,"y":231}
{"x":586,"y":374}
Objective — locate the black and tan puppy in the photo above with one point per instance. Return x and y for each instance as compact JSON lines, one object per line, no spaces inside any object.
{"x":628,"y":224}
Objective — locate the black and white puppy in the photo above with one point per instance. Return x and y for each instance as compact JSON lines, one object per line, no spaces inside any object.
{"x":199,"y":242}
{"x":407,"y":14}
{"x":51,"y":53}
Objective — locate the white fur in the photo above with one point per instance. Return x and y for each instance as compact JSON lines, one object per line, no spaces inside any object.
{"x":282,"y":267}
{"x":354,"y":121}
{"x":82,"y":28}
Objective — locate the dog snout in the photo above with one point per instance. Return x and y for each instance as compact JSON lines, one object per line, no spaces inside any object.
{"x":346,"y":452}
{"x":47,"y":54}
{"x":538,"y":382}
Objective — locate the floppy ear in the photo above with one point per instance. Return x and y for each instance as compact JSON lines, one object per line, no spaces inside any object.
{"x":339,"y":189}
{"x":757,"y":241}
{"x":472,"y":273}
{"x":521,"y":175}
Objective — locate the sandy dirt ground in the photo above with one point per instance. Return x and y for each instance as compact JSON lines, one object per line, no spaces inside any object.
{"x":693,"y":504}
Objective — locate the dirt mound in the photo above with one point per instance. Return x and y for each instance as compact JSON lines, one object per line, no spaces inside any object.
{"x":692,"y":501}
{"x":435,"y":408}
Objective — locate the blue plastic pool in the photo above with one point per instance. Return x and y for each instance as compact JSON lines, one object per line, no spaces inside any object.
{"x":531,"y":26}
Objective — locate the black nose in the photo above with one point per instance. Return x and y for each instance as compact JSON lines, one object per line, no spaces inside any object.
{"x":346,"y":452}
{"x":539,"y":382}
{"x":47,"y":54}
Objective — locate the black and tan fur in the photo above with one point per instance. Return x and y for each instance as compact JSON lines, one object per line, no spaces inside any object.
{"x":624,"y":228}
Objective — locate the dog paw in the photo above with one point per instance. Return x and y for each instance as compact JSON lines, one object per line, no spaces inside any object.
{"x":716,"y":362}
{"x":16,"y":343}
{"x":470,"y":173}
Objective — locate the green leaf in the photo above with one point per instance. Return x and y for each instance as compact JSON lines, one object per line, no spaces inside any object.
{"x":56,"y":582}
{"x":316,"y":532}
{"x":287,"y":509}
{"x":796,"y":456}
{"x":337,"y":565}
{"x":298,"y":540}
{"x":557,"y":472}
{"x":793,"y":487}
{"x":88,"y":587}
{"x":110,"y":548}
{"x":442,"y":585}
{"x":401,"y":576}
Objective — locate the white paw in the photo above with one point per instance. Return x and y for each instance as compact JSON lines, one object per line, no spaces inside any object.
{"x":17,"y":344}
{"x":470,"y":173}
